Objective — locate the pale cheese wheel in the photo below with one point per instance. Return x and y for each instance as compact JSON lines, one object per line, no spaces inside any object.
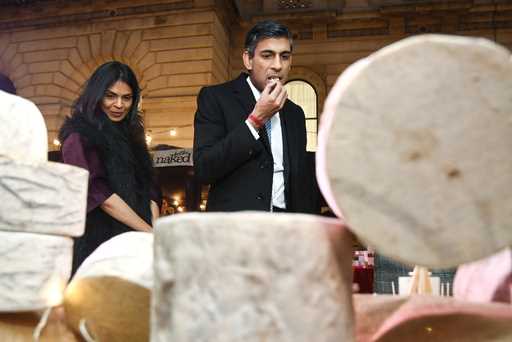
{"x":251,"y":276}
{"x":434,"y":318}
{"x":23,"y":134}
{"x":109,"y":295}
{"x":46,"y":198}
{"x":414,"y":149}
{"x":34,"y":270}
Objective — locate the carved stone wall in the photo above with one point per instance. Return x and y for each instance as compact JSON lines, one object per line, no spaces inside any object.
{"x":325,"y":43}
{"x":49,"y":48}
{"x":174,"y":47}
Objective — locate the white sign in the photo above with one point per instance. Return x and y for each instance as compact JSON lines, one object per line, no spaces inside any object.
{"x":175,"y":157}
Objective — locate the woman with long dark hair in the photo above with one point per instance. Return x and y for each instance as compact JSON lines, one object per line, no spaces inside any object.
{"x":105,"y":135}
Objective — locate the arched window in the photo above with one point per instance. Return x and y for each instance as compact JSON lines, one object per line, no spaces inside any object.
{"x":303,"y":94}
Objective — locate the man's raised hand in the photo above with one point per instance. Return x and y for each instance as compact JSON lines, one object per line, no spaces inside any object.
{"x":271,"y":101}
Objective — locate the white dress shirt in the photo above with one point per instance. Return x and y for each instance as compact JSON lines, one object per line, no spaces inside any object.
{"x":276,"y":145}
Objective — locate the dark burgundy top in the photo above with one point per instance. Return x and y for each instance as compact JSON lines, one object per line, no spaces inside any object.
{"x":78,"y":153}
{"x":75,"y":152}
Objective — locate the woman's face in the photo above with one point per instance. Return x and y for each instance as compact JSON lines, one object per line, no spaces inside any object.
{"x":117,"y":101}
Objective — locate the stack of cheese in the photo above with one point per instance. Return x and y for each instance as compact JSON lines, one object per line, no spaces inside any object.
{"x":42,"y":206}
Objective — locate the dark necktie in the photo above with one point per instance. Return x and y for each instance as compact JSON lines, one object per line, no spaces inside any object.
{"x":268,"y":130}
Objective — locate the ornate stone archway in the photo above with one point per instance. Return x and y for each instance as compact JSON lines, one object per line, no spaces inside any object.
{"x":52,"y":76}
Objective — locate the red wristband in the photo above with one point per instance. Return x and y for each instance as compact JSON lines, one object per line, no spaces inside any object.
{"x":257,"y":121}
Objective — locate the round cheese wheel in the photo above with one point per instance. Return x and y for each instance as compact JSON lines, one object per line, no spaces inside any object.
{"x":109,"y":296}
{"x":414,"y":149}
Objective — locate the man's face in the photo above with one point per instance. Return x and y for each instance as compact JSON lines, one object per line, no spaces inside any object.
{"x":271,"y":61}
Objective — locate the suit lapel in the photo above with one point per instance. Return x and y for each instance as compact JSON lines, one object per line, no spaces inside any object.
{"x":287,"y":141}
{"x":243,"y":94}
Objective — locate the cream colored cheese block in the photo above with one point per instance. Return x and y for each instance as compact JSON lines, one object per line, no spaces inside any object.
{"x":49,"y":198}
{"x":110,"y":292}
{"x":251,"y":276}
{"x":414,"y":149}
{"x":34,"y":269}
{"x":23,"y":133}
{"x":128,"y":256}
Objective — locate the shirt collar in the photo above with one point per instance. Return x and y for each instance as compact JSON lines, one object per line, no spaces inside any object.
{"x":255,"y":91}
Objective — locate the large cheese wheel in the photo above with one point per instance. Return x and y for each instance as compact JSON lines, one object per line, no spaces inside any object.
{"x":252,"y":277}
{"x":23,"y":133}
{"x":110,"y":293}
{"x":372,"y":311}
{"x":34,"y":270}
{"x":47,"y":198}
{"x":414,"y":149}
{"x":434,"y":318}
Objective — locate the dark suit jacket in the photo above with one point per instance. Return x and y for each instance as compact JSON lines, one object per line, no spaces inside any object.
{"x":238,"y":167}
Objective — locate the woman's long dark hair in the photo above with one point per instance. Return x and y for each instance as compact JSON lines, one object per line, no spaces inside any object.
{"x":88,"y":104}
{"x":88,"y":118}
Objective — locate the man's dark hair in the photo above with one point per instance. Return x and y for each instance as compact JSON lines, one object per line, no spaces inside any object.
{"x":263,"y":30}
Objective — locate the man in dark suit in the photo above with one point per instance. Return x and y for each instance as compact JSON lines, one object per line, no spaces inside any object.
{"x":250,"y":140}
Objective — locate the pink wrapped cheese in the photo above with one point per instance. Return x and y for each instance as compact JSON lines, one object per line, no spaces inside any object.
{"x":486,"y":280}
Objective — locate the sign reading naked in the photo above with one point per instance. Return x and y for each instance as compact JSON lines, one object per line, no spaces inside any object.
{"x":174,"y":157}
